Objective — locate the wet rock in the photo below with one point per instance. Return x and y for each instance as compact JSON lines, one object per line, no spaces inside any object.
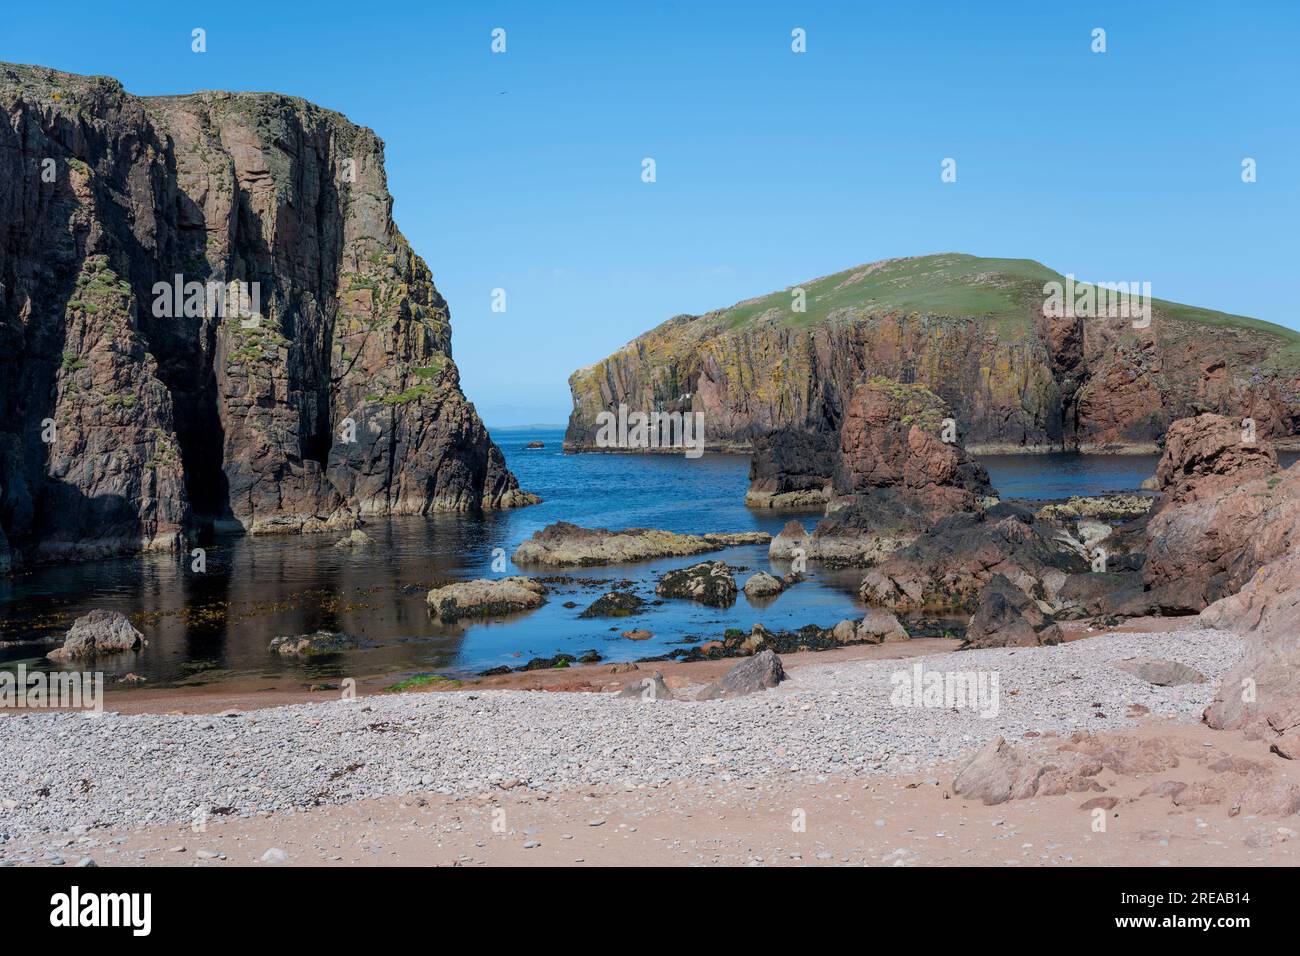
{"x":754,"y":674}
{"x":763,"y":585}
{"x":1160,"y":672}
{"x":709,"y":582}
{"x":485,"y":598}
{"x":563,"y":543}
{"x":614,"y":604}
{"x":358,"y":540}
{"x":97,"y":633}
{"x":318,"y":644}
{"x":637,"y":635}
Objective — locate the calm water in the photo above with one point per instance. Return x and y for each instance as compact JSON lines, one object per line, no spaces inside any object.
{"x":214,"y":626}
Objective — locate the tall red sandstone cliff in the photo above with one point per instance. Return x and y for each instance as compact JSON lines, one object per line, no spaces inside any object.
{"x":121,"y":425}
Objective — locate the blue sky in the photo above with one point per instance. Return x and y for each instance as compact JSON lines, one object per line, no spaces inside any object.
{"x":523,"y":171}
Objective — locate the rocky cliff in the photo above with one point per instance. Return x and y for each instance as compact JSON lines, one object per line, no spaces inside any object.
{"x":977,"y":332}
{"x":208,"y":316}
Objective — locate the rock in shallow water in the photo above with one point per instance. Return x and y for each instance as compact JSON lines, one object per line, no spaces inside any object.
{"x":484,"y":598}
{"x":709,"y":582}
{"x":96,"y":633}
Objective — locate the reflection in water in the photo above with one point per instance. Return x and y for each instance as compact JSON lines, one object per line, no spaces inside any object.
{"x":218,"y":624}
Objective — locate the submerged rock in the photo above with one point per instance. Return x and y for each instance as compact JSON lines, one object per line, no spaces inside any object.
{"x":485,"y":598}
{"x":96,"y":633}
{"x":709,"y":582}
{"x":319,"y":644}
{"x":614,"y":604}
{"x":358,"y":540}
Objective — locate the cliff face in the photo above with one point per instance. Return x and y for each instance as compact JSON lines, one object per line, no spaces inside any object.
{"x":973,"y":331}
{"x":320,"y":389}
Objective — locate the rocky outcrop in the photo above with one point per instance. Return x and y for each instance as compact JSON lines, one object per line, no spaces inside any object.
{"x":1003,"y":771}
{"x":1226,"y":511}
{"x":975,"y":332}
{"x":209,"y":317}
{"x":791,"y":469}
{"x":1007,"y":617}
{"x":1263,"y":691}
{"x":757,"y":673}
{"x":485,"y":598}
{"x":563,"y":543}
{"x":709,"y":582}
{"x":98,"y":633}
{"x":893,"y":441}
{"x":1207,"y":455}
{"x":948,"y":566}
{"x":894,"y":475}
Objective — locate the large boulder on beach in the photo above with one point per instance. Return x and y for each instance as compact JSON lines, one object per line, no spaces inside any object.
{"x":97,"y":633}
{"x":879,"y":626}
{"x":485,"y":598}
{"x":317,"y":644}
{"x":709,"y":582}
{"x":751,"y":675}
{"x":1006,"y":617}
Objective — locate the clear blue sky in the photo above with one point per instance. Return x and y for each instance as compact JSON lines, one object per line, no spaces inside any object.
{"x":522,"y":170}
